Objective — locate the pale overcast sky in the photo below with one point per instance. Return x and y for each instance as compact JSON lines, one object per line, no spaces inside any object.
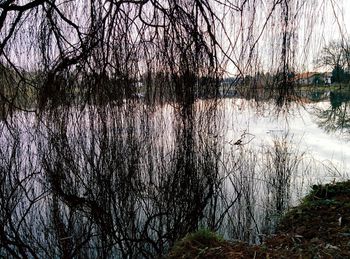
{"x":347,"y":14}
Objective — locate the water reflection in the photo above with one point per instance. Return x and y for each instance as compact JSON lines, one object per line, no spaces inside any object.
{"x":335,"y":116}
{"x":128,"y":181}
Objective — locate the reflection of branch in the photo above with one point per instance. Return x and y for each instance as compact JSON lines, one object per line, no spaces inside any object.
{"x":244,"y":139}
{"x":334,"y":119}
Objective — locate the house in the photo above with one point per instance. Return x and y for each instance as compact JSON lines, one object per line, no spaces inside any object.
{"x":313,"y":78}
{"x":327,"y":78}
{"x":306,"y":78}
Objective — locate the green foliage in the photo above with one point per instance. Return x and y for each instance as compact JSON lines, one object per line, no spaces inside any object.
{"x":326,"y":192}
{"x":196,"y":245}
{"x":318,"y":79}
{"x":339,"y":75}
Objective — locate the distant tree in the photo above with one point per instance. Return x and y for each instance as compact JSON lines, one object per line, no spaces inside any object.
{"x":291,"y":76}
{"x":318,"y":79}
{"x":124,"y":39}
{"x":336,"y":56}
{"x":331,"y":55}
{"x":339,"y":75}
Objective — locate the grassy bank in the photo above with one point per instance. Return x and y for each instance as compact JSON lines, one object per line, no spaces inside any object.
{"x":318,"y":228}
{"x":332,"y":87}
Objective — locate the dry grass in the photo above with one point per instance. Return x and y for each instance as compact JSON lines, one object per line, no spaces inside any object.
{"x":317,"y":228}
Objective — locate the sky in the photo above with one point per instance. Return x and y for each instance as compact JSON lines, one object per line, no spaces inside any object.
{"x":330,"y":27}
{"x":314,"y":30}
{"x":344,"y":19}
{"x":346,"y":14}
{"x":267,"y":52}
{"x":346,"y":4}
{"x":335,"y":28}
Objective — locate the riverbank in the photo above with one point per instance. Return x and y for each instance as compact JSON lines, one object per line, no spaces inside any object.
{"x":318,"y":228}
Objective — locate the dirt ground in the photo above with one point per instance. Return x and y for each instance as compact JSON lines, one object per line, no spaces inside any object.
{"x":318,"y":228}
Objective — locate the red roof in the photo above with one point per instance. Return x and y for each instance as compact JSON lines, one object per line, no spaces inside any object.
{"x":305,"y":75}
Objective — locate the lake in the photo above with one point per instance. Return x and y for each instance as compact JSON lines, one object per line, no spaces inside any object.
{"x":128,"y":180}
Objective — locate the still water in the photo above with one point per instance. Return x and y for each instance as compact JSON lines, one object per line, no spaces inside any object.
{"x":128,"y":181}
{"x":318,"y":129}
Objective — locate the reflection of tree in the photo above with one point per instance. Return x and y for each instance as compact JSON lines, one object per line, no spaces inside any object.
{"x":335,"y":118}
{"x":109,"y":188}
{"x":99,"y":186}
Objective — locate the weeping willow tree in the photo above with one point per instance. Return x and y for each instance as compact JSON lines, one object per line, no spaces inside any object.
{"x":103,"y":49}
{"x":88,"y":170}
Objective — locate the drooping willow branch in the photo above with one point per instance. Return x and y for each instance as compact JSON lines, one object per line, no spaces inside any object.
{"x":66,"y":44}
